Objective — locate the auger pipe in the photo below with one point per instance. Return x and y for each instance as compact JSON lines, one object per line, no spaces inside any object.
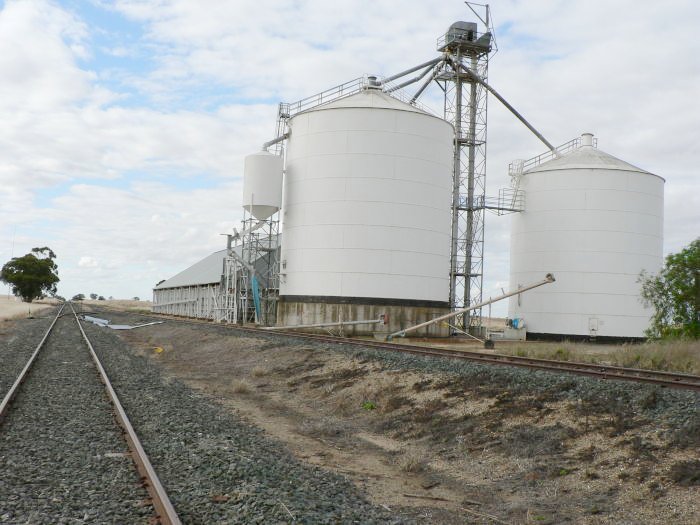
{"x":274,"y":141}
{"x":514,"y":111}
{"x":429,"y":63}
{"x":424,"y":85}
{"x":411,"y":81}
{"x":549,"y":278}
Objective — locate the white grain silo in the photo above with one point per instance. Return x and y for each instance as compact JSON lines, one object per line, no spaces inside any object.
{"x":366,"y":218}
{"x":595,"y":222}
{"x":262,"y":184}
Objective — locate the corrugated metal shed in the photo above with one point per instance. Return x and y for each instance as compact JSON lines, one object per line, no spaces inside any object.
{"x":206,"y":271}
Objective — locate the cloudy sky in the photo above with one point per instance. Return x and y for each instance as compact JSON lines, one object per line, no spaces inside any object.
{"x":125,"y":123}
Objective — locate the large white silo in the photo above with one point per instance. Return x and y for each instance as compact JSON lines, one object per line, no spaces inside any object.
{"x":366,"y":218}
{"x":595,"y":222}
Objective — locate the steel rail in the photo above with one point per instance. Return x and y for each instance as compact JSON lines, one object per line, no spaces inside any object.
{"x":659,"y":377}
{"x":165,"y":512}
{"x":7,"y":400}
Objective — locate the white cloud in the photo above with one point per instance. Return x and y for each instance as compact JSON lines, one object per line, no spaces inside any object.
{"x":86,"y":168}
{"x":87,"y":262}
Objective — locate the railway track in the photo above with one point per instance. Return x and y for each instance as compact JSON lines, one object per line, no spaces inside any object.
{"x":656,"y":377}
{"x":661,"y":378}
{"x":54,"y":402}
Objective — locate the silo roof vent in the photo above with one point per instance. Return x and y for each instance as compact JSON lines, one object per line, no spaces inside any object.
{"x":373,"y":83}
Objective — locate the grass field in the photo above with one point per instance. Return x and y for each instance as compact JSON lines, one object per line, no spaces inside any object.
{"x":12,"y":308}
{"x":677,"y":356}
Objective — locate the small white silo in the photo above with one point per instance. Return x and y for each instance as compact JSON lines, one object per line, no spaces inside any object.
{"x":595,"y":222}
{"x":366,"y":218}
{"x":262,"y":184}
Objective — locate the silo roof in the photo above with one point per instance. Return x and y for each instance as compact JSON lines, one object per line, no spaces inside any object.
{"x":371,"y":98}
{"x":587,"y":157}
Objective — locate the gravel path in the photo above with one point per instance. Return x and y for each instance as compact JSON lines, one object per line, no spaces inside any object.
{"x":62,"y":456}
{"x":215,"y":467}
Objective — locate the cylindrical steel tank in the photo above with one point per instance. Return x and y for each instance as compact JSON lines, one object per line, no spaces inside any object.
{"x":366,"y":223}
{"x":595,"y":222}
{"x":262,"y":184}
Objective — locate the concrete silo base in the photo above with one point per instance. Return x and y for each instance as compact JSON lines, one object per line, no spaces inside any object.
{"x":305,"y":310}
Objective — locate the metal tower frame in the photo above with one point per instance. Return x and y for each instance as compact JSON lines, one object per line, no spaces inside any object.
{"x":466,"y":106}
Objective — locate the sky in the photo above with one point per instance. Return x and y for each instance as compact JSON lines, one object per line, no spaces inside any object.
{"x":125,"y":123}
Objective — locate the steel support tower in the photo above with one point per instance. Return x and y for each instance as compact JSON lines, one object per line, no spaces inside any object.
{"x":465,"y":106}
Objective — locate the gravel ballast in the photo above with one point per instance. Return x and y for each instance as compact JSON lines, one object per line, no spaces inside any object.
{"x":62,"y":454}
{"x":215,"y":467}
{"x":18,"y":339}
{"x":612,"y":448}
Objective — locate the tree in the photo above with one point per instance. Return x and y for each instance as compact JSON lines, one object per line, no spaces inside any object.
{"x":33,"y":275}
{"x":93,"y":296}
{"x":78,"y":297}
{"x":136,"y":299}
{"x":674,"y":293}
{"x":101,"y":298}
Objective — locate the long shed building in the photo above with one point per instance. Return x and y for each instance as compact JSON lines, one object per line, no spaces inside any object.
{"x":194,"y":292}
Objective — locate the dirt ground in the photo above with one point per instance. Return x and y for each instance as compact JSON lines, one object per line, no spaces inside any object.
{"x":12,"y":308}
{"x":455,"y":452}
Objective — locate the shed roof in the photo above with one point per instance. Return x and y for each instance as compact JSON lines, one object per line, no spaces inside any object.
{"x":206,"y":271}
{"x":209,"y":270}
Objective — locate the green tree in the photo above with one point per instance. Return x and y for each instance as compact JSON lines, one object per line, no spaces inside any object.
{"x":93,"y":296}
{"x":674,"y":293}
{"x":33,"y":275}
{"x":78,"y":297}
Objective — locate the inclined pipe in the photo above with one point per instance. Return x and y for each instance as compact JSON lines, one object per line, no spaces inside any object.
{"x":549,"y":278}
{"x":274,"y":141}
{"x":429,"y":63}
{"x":410,"y":81}
{"x":425,"y":85}
{"x":514,"y":111}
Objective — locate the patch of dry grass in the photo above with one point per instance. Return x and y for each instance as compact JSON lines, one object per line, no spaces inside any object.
{"x":677,"y":356}
{"x":564,"y":351}
{"x":240,"y":387}
{"x":410,"y":461}
{"x":258,"y":371}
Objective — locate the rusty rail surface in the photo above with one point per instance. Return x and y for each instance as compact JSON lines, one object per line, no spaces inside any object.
{"x":165,"y":512}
